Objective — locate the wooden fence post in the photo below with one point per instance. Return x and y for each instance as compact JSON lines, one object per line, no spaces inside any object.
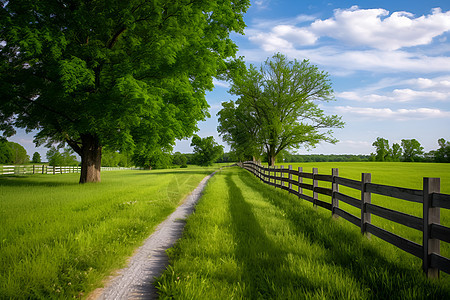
{"x":315,"y":171}
{"x":334,"y":190}
{"x":290,"y":178}
{"x":281,"y":175}
{"x":365,"y":198}
{"x":300,"y":180}
{"x":431,"y":215}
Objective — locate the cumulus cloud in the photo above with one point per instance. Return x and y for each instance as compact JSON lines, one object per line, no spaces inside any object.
{"x":375,"y":28}
{"x":387,"y":113}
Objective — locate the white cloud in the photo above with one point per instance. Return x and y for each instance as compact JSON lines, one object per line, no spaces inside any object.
{"x":397,"y":95}
{"x":398,"y":115}
{"x":221,"y":83}
{"x":408,"y":90}
{"x":373,"y":28}
{"x":376,"y":29}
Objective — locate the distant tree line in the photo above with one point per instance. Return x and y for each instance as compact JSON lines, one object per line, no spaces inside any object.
{"x":288,"y":157}
{"x":410,"y":150}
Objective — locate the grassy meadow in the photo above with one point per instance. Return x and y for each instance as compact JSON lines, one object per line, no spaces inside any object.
{"x":59,"y":239}
{"x":400,"y":174}
{"x":247,"y":240}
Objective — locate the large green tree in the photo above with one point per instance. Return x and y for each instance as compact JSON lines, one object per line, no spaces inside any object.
{"x":123,"y":74}
{"x":281,"y":99}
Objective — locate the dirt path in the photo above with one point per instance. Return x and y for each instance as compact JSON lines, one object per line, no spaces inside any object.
{"x":136,"y":280}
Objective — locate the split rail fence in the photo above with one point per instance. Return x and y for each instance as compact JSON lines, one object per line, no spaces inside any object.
{"x":430,"y":197}
{"x":45,"y":169}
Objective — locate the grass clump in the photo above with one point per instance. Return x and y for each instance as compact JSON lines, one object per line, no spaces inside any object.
{"x":247,"y":240}
{"x":59,"y":239}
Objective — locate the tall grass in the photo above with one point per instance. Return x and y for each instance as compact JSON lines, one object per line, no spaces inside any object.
{"x":247,"y":240}
{"x":59,"y":239}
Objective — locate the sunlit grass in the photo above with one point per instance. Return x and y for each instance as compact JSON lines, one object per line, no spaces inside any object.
{"x":247,"y":240}
{"x":407,"y":175}
{"x":59,"y":239}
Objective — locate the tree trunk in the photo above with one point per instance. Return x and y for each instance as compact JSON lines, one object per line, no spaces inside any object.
{"x":91,"y":159}
{"x":273,"y":160}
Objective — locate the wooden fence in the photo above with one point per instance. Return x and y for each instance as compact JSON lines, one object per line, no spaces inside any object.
{"x":44,"y":169}
{"x":430,"y":197}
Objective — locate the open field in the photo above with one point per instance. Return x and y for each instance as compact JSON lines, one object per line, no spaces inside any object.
{"x":249,"y":240}
{"x":407,"y":175}
{"x":59,"y":239}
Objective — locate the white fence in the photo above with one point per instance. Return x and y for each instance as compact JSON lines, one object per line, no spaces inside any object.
{"x":44,"y":169}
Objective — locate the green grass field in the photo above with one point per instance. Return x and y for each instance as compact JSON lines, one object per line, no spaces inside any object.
{"x":59,"y":239}
{"x":247,"y":240}
{"x":407,"y":175}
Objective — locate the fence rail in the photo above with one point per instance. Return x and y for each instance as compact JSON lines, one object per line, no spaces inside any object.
{"x":430,"y":197}
{"x":45,"y":169}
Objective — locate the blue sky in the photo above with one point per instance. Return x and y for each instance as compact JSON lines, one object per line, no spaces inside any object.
{"x":389,"y":63}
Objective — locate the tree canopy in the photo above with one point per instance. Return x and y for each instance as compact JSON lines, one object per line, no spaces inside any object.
{"x":279,"y":102}
{"x":129,"y":75}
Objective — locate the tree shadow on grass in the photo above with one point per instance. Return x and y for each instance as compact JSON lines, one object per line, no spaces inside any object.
{"x":345,"y":248}
{"x":32,"y":180}
{"x":261,"y":259}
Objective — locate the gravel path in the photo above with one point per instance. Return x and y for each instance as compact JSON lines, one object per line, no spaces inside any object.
{"x":136,"y":280}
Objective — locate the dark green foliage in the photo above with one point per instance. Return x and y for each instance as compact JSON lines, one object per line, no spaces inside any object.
{"x":129,"y":75}
{"x":206,"y":150}
{"x":179,"y":159}
{"x":36,"y":158}
{"x":66,"y":158}
{"x":158,"y":159}
{"x":6,"y":154}
{"x":443,"y":153}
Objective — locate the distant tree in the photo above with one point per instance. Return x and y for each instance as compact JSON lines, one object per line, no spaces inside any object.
{"x":395,"y":152}
{"x":66,"y":158}
{"x":94,"y":74}
{"x":239,"y":129}
{"x":179,"y":159}
{"x":36,"y":158}
{"x":6,"y":153}
{"x":19,"y":154}
{"x":382,"y":149}
{"x":156,"y":159}
{"x":441,"y":155}
{"x":115,"y":159}
{"x":281,"y":99}
{"x":411,"y":149}
{"x":206,"y":150}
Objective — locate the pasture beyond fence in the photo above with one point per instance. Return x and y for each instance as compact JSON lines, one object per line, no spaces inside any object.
{"x":430,"y":197}
{"x":45,"y":169}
